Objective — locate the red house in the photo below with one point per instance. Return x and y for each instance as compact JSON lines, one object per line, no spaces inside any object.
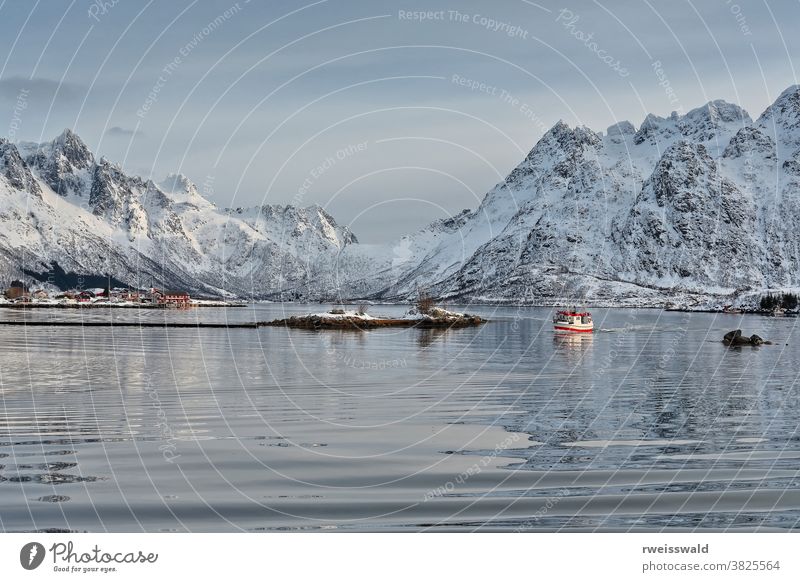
{"x":171,"y":298}
{"x":85,"y":296}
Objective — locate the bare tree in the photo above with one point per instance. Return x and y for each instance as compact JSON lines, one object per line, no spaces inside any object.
{"x":424,"y":301}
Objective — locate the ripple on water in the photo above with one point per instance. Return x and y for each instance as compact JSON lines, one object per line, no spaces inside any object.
{"x":201,"y":430}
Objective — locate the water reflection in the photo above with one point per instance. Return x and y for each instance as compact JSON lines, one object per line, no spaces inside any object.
{"x":426,"y":337}
{"x":648,"y":423}
{"x":572,"y":341}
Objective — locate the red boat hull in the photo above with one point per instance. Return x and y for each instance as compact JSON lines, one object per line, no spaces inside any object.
{"x":577,"y":330}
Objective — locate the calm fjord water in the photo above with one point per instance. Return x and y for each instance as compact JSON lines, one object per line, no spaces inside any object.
{"x":649,"y":423}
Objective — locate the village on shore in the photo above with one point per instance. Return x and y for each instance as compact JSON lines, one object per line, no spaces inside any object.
{"x":19,"y":294}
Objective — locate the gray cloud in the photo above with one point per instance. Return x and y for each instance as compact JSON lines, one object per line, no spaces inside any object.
{"x":118,"y":131}
{"x":38,"y":89}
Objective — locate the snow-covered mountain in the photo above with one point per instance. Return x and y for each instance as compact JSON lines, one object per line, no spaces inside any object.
{"x":691,"y":209}
{"x":687,"y":209}
{"x":64,"y":212}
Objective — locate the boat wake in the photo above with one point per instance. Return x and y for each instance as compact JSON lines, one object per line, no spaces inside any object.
{"x":639,"y":328}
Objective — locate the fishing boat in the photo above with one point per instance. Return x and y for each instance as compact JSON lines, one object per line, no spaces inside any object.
{"x":573,"y":321}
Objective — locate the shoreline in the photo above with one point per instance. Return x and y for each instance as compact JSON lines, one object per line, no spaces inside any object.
{"x":223,"y":304}
{"x":24,"y":306}
{"x":161,"y":324}
{"x":361,"y":326}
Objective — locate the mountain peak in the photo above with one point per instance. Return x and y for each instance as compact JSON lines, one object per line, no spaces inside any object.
{"x":720,"y":111}
{"x":789,"y":92}
{"x":71,"y":146}
{"x":177,"y":182}
{"x":621,"y":128}
{"x":712,"y":124}
{"x":781,"y":121}
{"x":650,"y":127}
{"x":565,"y":135}
{"x":67,"y":144}
{"x":66,"y":135}
{"x":787,"y":104}
{"x":651,"y":121}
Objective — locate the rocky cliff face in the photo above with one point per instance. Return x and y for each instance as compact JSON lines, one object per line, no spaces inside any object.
{"x":64,"y":164}
{"x":15,"y":171}
{"x":690,"y":226}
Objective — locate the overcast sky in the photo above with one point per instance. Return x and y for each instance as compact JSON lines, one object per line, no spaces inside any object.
{"x":386,"y":119}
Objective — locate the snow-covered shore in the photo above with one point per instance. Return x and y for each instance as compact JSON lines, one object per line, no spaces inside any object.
{"x":99,"y":304}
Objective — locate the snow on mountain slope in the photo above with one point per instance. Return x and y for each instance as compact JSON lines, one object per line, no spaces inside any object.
{"x":60,"y":205}
{"x":672,"y":212}
{"x":690,"y":226}
{"x":687,"y":209}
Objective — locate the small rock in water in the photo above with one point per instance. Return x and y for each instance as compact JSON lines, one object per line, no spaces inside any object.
{"x":735,"y":338}
{"x":732,"y":335}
